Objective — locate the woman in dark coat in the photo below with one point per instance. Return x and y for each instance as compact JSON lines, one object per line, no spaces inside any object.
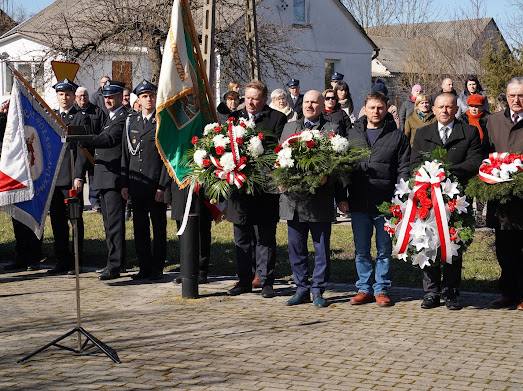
{"x":334,"y":114}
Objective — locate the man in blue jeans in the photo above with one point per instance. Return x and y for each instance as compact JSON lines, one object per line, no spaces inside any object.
{"x":372,"y":183}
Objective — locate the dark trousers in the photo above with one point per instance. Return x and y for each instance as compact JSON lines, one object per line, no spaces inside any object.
{"x":59,"y":223}
{"x":509,"y":250}
{"x":255,"y":244}
{"x":28,"y":247}
{"x":298,"y":255}
{"x":432,"y":277}
{"x":93,"y":194}
{"x":205,"y":222}
{"x":113,"y":212}
{"x":145,"y":212}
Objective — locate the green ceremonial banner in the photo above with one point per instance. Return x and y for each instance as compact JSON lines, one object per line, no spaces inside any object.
{"x":183,"y":104}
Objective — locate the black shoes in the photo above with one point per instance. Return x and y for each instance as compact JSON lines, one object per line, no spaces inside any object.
{"x":238,"y":290}
{"x":202,"y":278}
{"x":141,"y":275}
{"x":299,"y":298}
{"x":109,"y":275}
{"x":430,"y":301}
{"x":267,"y":292}
{"x":319,"y":302}
{"x":158,"y":276}
{"x":452,"y":303}
{"x":59,"y":269}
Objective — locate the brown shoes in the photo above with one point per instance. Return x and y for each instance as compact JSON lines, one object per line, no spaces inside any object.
{"x":362,"y":298}
{"x":383,"y":300}
{"x":520,"y":306}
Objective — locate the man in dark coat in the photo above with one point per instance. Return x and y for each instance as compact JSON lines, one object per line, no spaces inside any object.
{"x":506,"y":135}
{"x":255,"y":216}
{"x":97,"y":117}
{"x":296,"y":99}
{"x":310,"y":212}
{"x":107,"y":177}
{"x":373,"y":182}
{"x":97,"y":98}
{"x":71,"y":116}
{"x":464,"y":156}
{"x":144,"y":180}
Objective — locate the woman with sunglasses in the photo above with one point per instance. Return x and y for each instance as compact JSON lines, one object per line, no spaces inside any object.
{"x":334,"y":113}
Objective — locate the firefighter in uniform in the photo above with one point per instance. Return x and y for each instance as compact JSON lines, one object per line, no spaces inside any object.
{"x":144,"y":180}
{"x":107,"y":177}
{"x":71,"y":116}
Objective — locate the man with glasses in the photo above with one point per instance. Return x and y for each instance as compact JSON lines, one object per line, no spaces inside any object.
{"x":505,"y":130}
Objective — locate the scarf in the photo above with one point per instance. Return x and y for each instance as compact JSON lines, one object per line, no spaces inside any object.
{"x":412,"y":99}
{"x":344,"y":103}
{"x":474,"y":120}
{"x":287,"y":110}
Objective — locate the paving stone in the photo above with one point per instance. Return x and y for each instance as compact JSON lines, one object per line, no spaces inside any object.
{"x":247,"y":343}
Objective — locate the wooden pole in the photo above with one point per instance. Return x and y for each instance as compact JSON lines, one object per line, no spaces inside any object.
{"x":207,"y":45}
{"x":251,"y":35}
{"x":199,"y":60}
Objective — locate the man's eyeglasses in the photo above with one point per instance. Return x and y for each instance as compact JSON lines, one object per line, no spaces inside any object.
{"x":330,"y":98}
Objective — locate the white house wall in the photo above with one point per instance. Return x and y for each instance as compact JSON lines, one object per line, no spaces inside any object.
{"x":329,"y":34}
{"x":21,"y":49}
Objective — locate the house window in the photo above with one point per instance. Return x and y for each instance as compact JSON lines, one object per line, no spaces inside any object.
{"x":33,"y":72}
{"x":330,"y":68}
{"x":123,"y":71}
{"x":299,"y":12}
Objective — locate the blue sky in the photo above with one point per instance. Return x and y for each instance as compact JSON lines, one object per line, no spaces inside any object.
{"x":445,"y":9}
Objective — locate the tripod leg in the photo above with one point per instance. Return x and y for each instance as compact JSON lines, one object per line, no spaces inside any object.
{"x":52,"y":343}
{"x":106,"y":349}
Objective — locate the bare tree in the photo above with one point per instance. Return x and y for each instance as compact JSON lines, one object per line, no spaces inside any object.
{"x":88,"y":29}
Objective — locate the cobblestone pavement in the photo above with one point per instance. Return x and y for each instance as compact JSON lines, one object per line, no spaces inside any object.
{"x":251,"y":343}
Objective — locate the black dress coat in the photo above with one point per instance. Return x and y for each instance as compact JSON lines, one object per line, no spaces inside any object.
{"x":143,"y":173}
{"x":263,"y":207}
{"x":316,"y":207}
{"x":297,"y":106}
{"x":73,"y":118}
{"x":464,"y":151}
{"x":341,"y":119}
{"x":108,"y":153}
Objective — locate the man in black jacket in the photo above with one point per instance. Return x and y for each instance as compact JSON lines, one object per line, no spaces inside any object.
{"x":144,"y":180}
{"x":97,"y":98}
{"x":309,"y":212}
{"x":107,"y":177}
{"x":255,"y":216}
{"x":464,"y":155}
{"x":71,"y":116}
{"x":372,"y":183}
{"x":97,"y":117}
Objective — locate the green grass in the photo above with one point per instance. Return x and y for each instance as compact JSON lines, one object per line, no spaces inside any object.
{"x":480,"y":268}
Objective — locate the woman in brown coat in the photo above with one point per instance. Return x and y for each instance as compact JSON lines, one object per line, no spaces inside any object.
{"x":420,"y":117}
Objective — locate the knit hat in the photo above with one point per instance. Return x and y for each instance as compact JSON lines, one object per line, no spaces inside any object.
{"x":476,"y":100}
{"x":379,"y":86}
{"x":416,"y":88}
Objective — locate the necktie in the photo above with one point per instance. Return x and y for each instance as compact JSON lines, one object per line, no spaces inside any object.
{"x":444,"y":134}
{"x":515,"y":118}
{"x":63,"y":114}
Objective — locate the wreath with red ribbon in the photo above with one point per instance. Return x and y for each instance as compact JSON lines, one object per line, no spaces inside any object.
{"x":428,"y":218}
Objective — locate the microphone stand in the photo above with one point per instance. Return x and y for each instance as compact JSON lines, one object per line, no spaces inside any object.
{"x":74,"y":208}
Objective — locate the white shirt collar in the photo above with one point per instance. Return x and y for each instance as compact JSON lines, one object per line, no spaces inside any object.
{"x":520,"y":114}
{"x":450,"y":126}
{"x":112,"y":114}
{"x":147,"y":117}
{"x":65,"y":111}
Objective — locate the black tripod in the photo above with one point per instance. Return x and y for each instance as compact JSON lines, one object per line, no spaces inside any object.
{"x":74,"y":209}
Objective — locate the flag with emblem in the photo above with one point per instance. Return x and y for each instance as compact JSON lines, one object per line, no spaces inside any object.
{"x":32,"y":152}
{"x":183,"y":105}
